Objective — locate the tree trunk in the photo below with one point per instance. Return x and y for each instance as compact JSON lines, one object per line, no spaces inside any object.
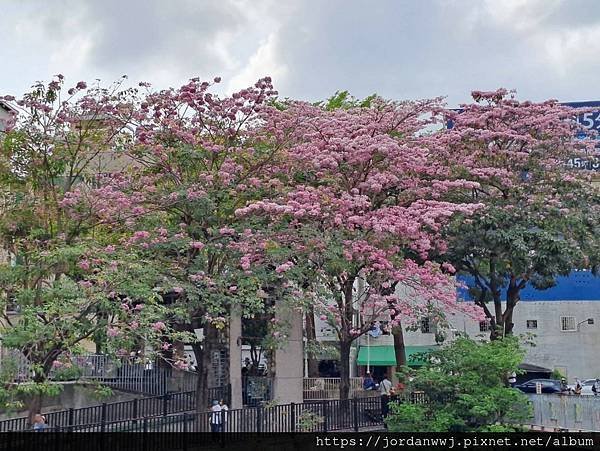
{"x":508,"y":323}
{"x":399,"y":350}
{"x":512,"y":297}
{"x":497,"y":332}
{"x":254,"y":358}
{"x":100,"y":337}
{"x":311,"y":337}
{"x":345,"y":369}
{"x":34,"y":406}
{"x":203,"y":352}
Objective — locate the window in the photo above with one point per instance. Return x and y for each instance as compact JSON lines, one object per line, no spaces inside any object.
{"x":485,"y":326}
{"x":568,"y":324}
{"x":426,"y":326}
{"x":532,"y":324}
{"x":219,"y":371}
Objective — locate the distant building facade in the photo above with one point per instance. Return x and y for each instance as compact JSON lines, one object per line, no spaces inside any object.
{"x":563,"y":322}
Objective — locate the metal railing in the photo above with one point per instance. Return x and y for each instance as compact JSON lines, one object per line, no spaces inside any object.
{"x":319,"y":388}
{"x":570,"y":412}
{"x":125,"y":374}
{"x":170,"y":413}
{"x":316,"y":416}
{"x":136,"y":408}
{"x":120,"y":411}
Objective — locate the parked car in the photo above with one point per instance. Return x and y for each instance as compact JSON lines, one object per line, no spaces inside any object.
{"x":548,"y":386}
{"x":586,"y":387}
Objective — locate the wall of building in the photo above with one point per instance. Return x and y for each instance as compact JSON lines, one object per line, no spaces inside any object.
{"x":572,"y":352}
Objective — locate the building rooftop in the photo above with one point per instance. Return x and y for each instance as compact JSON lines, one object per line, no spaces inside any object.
{"x":580,"y":285}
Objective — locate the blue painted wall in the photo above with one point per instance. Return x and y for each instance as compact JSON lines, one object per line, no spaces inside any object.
{"x":577,"y":286}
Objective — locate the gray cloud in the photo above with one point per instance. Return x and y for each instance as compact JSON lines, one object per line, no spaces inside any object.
{"x":399,"y":49}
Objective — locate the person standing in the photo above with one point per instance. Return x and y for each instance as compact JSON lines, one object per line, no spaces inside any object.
{"x":215,"y":417}
{"x":596,"y":387}
{"x":385,"y":389}
{"x":39,"y":423}
{"x":578,"y":386}
{"x":224,"y":413}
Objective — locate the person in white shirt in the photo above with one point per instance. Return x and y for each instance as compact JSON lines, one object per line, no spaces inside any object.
{"x":215,"y":417}
{"x":385,"y":388}
{"x":224,"y":410}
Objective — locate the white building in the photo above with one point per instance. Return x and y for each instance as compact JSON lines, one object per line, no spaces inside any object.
{"x":563,"y":322}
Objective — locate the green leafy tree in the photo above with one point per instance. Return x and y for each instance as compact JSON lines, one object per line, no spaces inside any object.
{"x":539,"y":218}
{"x":465,"y":384}
{"x":64,"y":270}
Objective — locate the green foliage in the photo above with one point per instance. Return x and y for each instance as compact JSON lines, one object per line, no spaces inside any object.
{"x":67,"y":373}
{"x":38,"y":388}
{"x":466,"y":385}
{"x":418,"y":418}
{"x":270,"y":404}
{"x":102,"y":392}
{"x":8,"y":400}
{"x":307,"y":421}
{"x":55,"y":266}
{"x":343,"y":100}
{"x":315,"y":348}
{"x":539,"y":219}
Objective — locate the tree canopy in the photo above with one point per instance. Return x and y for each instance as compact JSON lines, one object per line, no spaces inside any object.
{"x":465,"y":385}
{"x":539,"y":217}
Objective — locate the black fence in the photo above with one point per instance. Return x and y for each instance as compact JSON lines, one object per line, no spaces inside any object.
{"x":119,"y":411}
{"x":317,"y":416}
{"x":310,"y":416}
{"x":175,"y":414}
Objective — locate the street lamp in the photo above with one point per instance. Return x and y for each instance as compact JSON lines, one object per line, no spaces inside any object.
{"x":589,"y":321}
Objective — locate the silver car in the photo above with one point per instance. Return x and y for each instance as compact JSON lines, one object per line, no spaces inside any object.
{"x":586,"y":387}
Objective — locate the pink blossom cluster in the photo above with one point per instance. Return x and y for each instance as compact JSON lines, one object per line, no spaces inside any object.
{"x":284,"y":267}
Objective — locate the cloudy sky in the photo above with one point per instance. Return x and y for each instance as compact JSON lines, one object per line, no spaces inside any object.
{"x":401,"y":49}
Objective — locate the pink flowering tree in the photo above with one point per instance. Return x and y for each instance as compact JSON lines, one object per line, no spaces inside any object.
{"x":540,"y":217}
{"x":64,"y":277}
{"x":361,"y":213}
{"x":199,"y":157}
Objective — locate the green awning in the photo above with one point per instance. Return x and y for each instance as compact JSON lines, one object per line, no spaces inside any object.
{"x":411,"y":354}
{"x":376,"y":356}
